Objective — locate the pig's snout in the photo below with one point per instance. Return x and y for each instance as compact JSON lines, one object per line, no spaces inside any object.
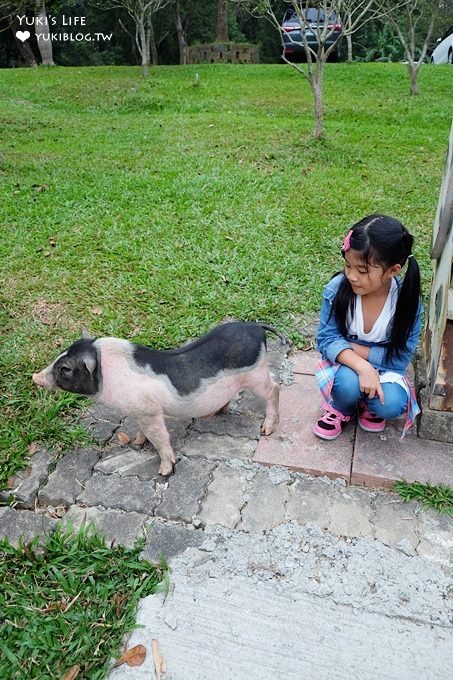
{"x":42,"y":380}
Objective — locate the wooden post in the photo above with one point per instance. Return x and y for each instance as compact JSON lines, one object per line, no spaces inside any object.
{"x":438,"y":339}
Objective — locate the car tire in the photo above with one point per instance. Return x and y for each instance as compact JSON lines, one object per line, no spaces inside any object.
{"x":450,"y":57}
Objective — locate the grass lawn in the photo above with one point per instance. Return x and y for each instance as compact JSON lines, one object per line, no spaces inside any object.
{"x":153,"y":209}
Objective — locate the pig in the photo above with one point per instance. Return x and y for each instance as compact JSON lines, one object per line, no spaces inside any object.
{"x":197,"y":379}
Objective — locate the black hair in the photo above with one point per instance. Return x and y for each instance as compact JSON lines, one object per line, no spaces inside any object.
{"x":384,"y":241}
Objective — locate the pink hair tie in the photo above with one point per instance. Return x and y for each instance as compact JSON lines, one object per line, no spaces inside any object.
{"x":347,"y":241}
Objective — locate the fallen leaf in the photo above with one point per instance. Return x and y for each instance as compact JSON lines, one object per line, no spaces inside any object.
{"x":97,"y":310}
{"x":124,"y":438}
{"x":32,"y":448}
{"x":71,"y":673}
{"x":53,"y":241}
{"x":134,"y":656}
{"x":118,"y":600}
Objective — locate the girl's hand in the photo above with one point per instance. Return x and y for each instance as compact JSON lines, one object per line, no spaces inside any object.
{"x":370,"y":383}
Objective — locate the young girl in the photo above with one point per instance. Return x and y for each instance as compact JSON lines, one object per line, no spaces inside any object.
{"x":369,"y":328}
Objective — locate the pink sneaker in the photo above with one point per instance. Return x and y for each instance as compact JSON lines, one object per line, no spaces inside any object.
{"x":330,"y":425}
{"x":369,"y":422}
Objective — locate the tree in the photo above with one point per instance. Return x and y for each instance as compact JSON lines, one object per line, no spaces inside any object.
{"x":141,"y":12}
{"x":181,"y":32}
{"x":404,"y":22}
{"x":222,"y":21}
{"x":352,"y":14}
{"x":184,"y":11}
{"x":43,"y":34}
{"x":9,"y":13}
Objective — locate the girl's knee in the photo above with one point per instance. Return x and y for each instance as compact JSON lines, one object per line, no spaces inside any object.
{"x":395,"y":402}
{"x":346,"y":381}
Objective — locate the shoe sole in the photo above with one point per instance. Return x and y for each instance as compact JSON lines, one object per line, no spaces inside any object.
{"x":372,"y":429}
{"x":326,"y":437}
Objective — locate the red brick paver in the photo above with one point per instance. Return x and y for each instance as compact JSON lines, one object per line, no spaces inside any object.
{"x":359,"y":457}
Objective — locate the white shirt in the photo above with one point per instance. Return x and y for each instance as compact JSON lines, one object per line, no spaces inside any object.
{"x":380,"y":331}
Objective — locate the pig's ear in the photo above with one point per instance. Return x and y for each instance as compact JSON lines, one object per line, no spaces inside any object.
{"x":90,"y":363}
{"x":86,"y":334}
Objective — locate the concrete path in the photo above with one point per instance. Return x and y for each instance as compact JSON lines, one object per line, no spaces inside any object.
{"x":274,"y":572}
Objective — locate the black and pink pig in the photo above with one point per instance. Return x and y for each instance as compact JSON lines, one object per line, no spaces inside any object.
{"x":197,"y":379}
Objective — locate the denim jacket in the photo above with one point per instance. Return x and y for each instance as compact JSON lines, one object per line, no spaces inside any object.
{"x":330,"y":342}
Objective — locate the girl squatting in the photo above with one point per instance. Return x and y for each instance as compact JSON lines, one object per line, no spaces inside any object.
{"x":370,"y":324}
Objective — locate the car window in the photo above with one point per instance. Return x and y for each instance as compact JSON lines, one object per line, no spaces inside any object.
{"x":312,"y":13}
{"x":449,"y":32}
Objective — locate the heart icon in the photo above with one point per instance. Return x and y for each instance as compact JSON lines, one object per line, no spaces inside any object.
{"x":22,"y":35}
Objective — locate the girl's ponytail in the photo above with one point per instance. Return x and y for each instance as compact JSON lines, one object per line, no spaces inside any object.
{"x":406,"y":308}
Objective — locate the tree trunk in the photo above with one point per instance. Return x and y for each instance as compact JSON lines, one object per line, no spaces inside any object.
{"x":43,"y":34}
{"x":142,"y":46}
{"x":222,"y":21}
{"x":349,"y":44}
{"x":181,"y":34}
{"x":151,"y":44}
{"x":316,"y":81}
{"x":23,"y":48}
{"x":413,"y":76}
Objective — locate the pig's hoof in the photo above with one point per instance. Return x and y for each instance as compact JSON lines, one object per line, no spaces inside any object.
{"x":268,"y":428}
{"x":140,"y":439}
{"x":163,"y":478}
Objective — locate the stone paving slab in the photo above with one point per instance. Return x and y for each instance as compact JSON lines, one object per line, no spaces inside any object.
{"x":381,"y":459}
{"x":186,"y":489}
{"x":165,"y":540}
{"x":225,"y":500}
{"x":26,"y":483}
{"x":24,"y":525}
{"x":128,"y":462}
{"x":215,"y":448}
{"x":112,"y":491}
{"x":66,"y":481}
{"x":118,"y":527}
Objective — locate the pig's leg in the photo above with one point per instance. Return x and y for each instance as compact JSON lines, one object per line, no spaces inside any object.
{"x":272,"y":418}
{"x":154,"y":428}
{"x":140,"y":439}
{"x":259,"y":382}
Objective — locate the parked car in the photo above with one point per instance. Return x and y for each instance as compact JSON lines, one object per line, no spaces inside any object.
{"x":315,"y":22}
{"x":443,"y":53}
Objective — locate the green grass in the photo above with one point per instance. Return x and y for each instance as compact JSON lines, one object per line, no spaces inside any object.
{"x":67,"y":603}
{"x":438,"y":497}
{"x":152,"y":209}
